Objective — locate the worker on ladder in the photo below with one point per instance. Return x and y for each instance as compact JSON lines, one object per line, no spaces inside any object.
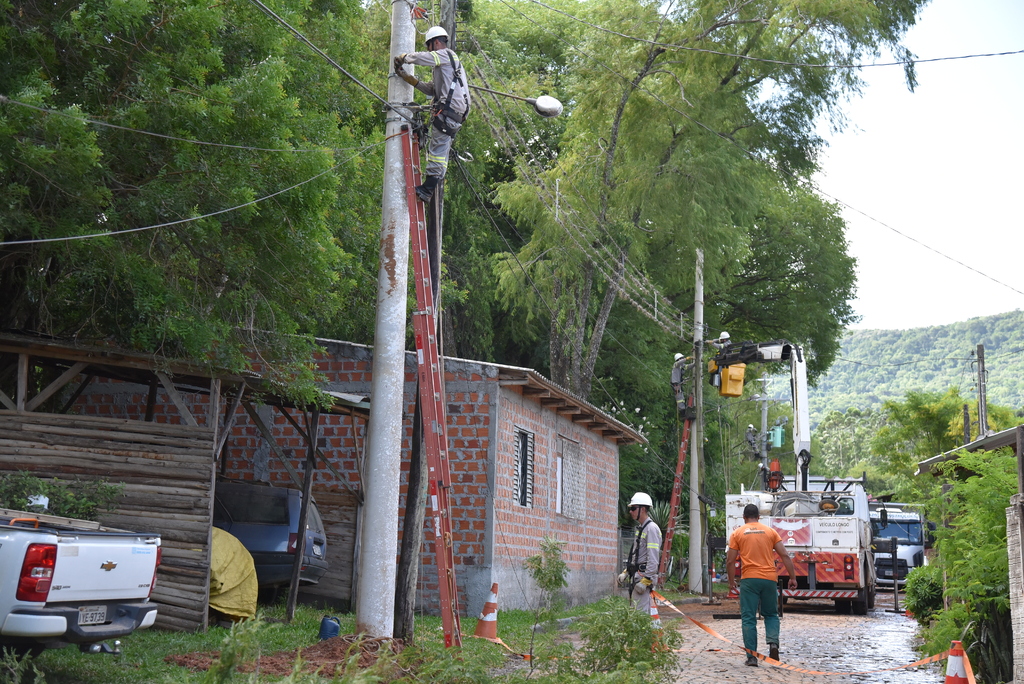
{"x":450,"y":92}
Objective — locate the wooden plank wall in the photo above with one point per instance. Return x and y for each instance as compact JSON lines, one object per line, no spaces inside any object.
{"x":167,"y":471}
{"x":338,"y":509}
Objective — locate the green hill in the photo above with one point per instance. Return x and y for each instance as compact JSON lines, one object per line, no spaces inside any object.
{"x":876,"y":365}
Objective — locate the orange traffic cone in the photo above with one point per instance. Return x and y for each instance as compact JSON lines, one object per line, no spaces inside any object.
{"x":487,"y":625}
{"x":956,"y":665}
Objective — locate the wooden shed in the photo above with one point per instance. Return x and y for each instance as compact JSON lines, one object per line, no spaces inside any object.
{"x":163,"y":445}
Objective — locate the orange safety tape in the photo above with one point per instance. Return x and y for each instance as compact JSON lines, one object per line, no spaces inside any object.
{"x":497,"y":640}
{"x":792,"y":668}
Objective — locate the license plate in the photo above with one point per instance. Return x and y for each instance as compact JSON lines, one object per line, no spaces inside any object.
{"x":92,"y":615}
{"x":887,"y":573}
{"x":318,"y":550}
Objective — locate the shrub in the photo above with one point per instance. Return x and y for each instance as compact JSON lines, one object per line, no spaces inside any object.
{"x":548,"y":569}
{"x":75,"y":499}
{"x":924,"y":592}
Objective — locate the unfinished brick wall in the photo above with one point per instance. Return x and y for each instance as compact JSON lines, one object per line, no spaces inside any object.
{"x":492,"y":535}
{"x":590,"y":548}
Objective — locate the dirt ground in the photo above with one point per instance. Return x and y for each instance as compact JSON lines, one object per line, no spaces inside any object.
{"x":329,"y":656}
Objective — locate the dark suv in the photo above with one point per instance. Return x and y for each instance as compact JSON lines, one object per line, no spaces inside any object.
{"x":266,"y":520}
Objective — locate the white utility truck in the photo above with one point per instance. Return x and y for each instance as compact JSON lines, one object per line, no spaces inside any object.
{"x":65,"y":581}
{"x":824,"y":523}
{"x":911,"y":531}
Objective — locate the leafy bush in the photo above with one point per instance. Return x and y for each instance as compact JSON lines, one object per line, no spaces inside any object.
{"x":548,"y":569}
{"x":18,"y":670}
{"x":81,"y":499}
{"x":972,"y":552}
{"x":621,"y":645}
{"x":924,"y":592}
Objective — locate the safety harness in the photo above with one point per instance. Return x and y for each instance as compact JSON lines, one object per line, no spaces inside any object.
{"x":444,"y":109}
{"x":633,"y":564}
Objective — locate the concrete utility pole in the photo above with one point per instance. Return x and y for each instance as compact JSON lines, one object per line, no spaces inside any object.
{"x":695,"y":571}
{"x":375,"y":597}
{"x":982,"y":399}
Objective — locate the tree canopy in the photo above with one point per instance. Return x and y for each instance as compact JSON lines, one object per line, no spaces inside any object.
{"x":211,"y":133}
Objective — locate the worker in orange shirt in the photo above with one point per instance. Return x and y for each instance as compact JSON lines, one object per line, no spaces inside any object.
{"x":755,"y":545}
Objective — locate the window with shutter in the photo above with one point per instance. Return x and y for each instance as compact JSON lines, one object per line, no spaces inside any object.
{"x":522,"y":490}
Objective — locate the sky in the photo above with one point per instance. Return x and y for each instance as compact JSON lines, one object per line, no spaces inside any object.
{"x":944,"y":166}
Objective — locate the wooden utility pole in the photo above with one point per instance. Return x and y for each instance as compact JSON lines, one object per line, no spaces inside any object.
{"x":695,"y":571}
{"x":982,"y":400}
{"x":967,"y":424}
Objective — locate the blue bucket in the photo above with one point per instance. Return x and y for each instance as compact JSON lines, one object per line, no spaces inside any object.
{"x":329,"y":627}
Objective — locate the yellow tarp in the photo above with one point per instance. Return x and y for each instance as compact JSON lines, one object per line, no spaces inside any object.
{"x":233,"y":585}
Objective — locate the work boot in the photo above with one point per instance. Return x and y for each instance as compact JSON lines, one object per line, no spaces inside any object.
{"x":773,"y":651}
{"x":426,"y":191}
{"x":751,"y":660}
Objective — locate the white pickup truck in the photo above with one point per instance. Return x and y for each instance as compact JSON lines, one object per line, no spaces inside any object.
{"x":66,"y":581}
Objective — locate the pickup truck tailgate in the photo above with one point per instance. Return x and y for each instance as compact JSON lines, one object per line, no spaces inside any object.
{"x":103,"y":567}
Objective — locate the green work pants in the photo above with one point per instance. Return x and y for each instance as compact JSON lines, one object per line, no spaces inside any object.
{"x":761,"y":593}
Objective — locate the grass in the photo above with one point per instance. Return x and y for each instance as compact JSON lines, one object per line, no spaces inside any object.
{"x":143,"y":653}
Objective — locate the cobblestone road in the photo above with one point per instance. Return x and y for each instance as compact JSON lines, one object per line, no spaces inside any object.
{"x":813,"y":637}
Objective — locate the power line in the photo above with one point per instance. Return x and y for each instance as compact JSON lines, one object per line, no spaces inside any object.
{"x":915,"y":240}
{"x":88,"y":236}
{"x":754,"y":157}
{"x":778,"y":62}
{"x":270,"y":13}
{"x":642,"y":285}
{"x":84,"y":119}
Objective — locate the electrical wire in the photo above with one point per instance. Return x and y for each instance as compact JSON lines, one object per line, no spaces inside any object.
{"x":88,"y":236}
{"x":608,"y":270}
{"x":778,"y":62}
{"x":641,"y":284}
{"x":306,"y":41}
{"x":753,"y":156}
{"x":84,"y":119}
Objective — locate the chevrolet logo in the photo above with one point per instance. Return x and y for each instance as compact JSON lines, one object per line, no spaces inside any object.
{"x":109,"y":565}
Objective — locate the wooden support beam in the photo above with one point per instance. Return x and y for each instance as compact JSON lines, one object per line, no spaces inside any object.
{"x":330,"y":466}
{"x":7,"y":401}
{"x":269,"y":436}
{"x":19,"y":399}
{"x":229,"y":420}
{"x":213,"y":414}
{"x":77,"y":393}
{"x":1020,"y":468}
{"x":172,"y":391}
{"x":54,"y":386}
{"x":313,"y":423}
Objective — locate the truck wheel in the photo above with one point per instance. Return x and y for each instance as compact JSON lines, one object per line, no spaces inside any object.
{"x":871,"y":589}
{"x":860,"y":604}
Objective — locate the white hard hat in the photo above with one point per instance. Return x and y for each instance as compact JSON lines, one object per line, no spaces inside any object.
{"x":435,"y":32}
{"x":641,"y":499}
{"x":724,"y":336}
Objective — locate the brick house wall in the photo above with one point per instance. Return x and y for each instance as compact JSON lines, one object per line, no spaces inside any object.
{"x":493,"y":535}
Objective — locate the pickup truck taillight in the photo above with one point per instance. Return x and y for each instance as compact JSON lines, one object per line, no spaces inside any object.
{"x":37,"y":572}
{"x":293,"y":542}
{"x":159,"y":556}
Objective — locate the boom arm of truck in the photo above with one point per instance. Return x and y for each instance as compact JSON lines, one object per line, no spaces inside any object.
{"x":732,"y":355}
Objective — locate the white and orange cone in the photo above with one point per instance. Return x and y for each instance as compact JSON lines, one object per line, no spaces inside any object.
{"x":956,"y":665}
{"x":487,"y":625}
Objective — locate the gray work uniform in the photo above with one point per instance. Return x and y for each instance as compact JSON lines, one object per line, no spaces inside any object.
{"x":647,"y":551}
{"x":443,"y":81}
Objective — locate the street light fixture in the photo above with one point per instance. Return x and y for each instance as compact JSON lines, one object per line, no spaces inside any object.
{"x":545,"y":105}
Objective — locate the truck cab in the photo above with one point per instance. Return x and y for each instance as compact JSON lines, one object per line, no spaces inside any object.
{"x":912,"y":538}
